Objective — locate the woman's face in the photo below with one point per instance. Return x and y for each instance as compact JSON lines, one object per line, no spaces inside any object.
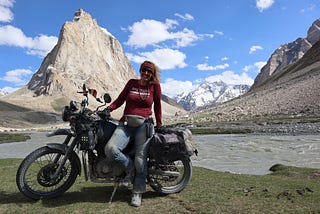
{"x":146,"y":74}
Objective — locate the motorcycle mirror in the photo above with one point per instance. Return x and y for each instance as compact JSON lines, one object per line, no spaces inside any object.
{"x":107,"y":98}
{"x":99,"y":100}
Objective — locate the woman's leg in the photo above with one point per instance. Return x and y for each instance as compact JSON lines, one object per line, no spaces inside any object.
{"x":140,"y":162}
{"x":118,"y":141}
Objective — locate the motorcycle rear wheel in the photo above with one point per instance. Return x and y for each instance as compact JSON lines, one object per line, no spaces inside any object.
{"x":171,"y":177}
{"x":34,"y":175}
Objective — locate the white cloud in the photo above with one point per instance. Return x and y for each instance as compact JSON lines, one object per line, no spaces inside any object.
{"x":247,"y":68}
{"x":254,"y":48}
{"x":256,"y":67}
{"x":186,"y":16}
{"x":151,"y":32}
{"x":264,"y":4}
{"x":5,"y":13}
{"x":172,"y":87}
{"x":259,"y":65}
{"x":7,"y":3}
{"x":18,"y":77}
{"x":310,"y":8}
{"x":218,"y":32}
{"x":12,"y":36}
{"x":40,"y":45}
{"x":206,"y":67}
{"x":185,"y":37}
{"x":231,"y":78}
{"x":148,"y":32}
{"x":164,"y":58}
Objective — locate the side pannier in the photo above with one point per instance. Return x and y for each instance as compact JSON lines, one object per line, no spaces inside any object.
{"x":171,"y":144}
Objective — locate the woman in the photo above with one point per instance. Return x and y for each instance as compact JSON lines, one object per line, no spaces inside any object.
{"x":139,"y":95}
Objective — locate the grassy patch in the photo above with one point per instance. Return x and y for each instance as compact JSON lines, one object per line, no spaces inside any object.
{"x":208,"y":192}
{"x":59,"y":103}
{"x":8,"y":138}
{"x":295,"y":172}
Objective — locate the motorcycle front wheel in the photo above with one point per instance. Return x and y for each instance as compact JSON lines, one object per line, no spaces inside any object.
{"x":169,"y":178}
{"x":35,"y":174}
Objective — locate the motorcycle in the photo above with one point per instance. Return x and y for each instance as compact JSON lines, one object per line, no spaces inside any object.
{"x":51,"y":170}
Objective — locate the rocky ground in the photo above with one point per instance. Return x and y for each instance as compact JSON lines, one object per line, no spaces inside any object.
{"x":289,"y":104}
{"x":261,"y":128}
{"x":275,"y":128}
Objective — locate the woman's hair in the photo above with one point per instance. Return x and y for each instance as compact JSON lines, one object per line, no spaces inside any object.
{"x":155,"y":78}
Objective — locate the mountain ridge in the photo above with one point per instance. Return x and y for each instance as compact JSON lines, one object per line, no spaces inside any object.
{"x":209,"y":94}
{"x":288,"y":53}
{"x":84,"y":54}
{"x":291,"y":95}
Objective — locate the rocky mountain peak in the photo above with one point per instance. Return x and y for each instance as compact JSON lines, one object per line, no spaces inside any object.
{"x":313,"y":32}
{"x":288,"y":53}
{"x":85,"y":53}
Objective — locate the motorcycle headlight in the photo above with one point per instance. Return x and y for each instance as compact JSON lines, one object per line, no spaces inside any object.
{"x":73,"y":106}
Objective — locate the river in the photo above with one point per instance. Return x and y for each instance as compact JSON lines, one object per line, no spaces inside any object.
{"x":244,"y":154}
{"x":255,"y":154}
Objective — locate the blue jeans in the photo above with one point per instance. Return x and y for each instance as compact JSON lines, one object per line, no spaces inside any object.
{"x":119,"y":141}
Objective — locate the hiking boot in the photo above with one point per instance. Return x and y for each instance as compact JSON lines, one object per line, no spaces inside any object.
{"x":136,"y":199}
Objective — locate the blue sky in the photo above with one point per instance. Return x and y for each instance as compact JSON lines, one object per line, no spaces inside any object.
{"x":190,"y":41}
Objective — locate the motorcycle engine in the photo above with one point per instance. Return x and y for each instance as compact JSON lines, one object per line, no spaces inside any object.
{"x":107,"y":169}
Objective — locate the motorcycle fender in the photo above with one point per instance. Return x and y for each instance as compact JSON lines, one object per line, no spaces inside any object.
{"x":63,"y":148}
{"x":59,"y":132}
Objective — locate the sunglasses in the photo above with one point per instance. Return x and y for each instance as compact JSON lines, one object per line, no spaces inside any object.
{"x":147,"y":70}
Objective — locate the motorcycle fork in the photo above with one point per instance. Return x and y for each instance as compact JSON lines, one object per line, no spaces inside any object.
{"x":67,"y":152}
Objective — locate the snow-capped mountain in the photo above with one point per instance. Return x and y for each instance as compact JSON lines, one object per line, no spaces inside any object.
{"x":3,"y":92}
{"x":210,"y":94}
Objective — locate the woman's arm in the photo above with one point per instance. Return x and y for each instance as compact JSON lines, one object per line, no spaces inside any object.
{"x":121,"y":98}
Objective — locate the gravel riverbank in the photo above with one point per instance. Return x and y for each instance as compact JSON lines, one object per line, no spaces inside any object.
{"x":274,"y":128}
{"x":256,"y":128}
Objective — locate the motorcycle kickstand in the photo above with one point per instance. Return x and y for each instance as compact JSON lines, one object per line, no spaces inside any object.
{"x":115,"y":187}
